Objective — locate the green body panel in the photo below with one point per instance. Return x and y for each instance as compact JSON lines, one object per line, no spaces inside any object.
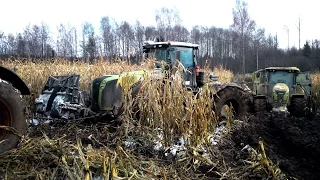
{"x":101,"y":88}
{"x":303,"y":81}
{"x":112,"y":87}
{"x":128,"y":79}
{"x":289,"y":82}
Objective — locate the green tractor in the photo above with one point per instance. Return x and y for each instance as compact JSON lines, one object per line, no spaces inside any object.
{"x":227,"y":94}
{"x":282,"y":89}
{"x":61,"y":97}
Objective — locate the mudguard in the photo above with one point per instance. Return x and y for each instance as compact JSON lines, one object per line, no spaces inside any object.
{"x":11,"y":77}
{"x":220,"y":87}
{"x":109,"y":93}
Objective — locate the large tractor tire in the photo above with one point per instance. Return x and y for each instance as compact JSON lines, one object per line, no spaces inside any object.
{"x":259,"y":105}
{"x":299,"y":107}
{"x":12,"y":115}
{"x":231,"y":96}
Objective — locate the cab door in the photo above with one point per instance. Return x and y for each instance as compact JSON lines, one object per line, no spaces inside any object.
{"x":303,"y":79}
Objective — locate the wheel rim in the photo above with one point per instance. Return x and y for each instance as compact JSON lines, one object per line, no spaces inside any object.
{"x":5,"y":118}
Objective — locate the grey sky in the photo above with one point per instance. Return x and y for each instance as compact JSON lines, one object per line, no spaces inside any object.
{"x":270,"y":14}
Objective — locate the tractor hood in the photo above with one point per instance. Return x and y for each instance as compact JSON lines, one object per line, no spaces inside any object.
{"x":280,"y":93}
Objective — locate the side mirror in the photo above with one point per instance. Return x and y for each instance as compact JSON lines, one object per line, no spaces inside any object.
{"x":213,"y":77}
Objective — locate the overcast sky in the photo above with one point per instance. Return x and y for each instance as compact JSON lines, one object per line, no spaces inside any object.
{"x":273,"y":15}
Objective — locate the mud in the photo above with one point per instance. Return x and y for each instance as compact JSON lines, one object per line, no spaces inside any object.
{"x":293,"y":143}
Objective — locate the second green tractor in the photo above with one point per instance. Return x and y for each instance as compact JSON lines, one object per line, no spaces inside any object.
{"x":282,"y":89}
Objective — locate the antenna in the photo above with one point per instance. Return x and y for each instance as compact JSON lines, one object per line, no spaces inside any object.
{"x":287,"y":29}
{"x":299,"y":26}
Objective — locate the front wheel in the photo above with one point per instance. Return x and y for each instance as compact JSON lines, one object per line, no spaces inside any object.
{"x":12,"y":115}
{"x":259,"y":105}
{"x":299,"y":107}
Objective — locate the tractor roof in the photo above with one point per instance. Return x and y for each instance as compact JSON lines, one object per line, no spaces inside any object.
{"x":153,"y":44}
{"x":280,"y":69}
{"x":283,"y":68}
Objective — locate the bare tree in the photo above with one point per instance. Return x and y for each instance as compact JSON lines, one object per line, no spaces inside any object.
{"x":107,"y":37}
{"x":258,"y":36}
{"x":91,"y":47}
{"x":21,"y":46}
{"x":299,"y":30}
{"x":242,"y":26}
{"x":180,"y":33}
{"x":44,"y":36}
{"x":2,"y":43}
{"x":87,"y":33}
{"x":139,"y":34}
{"x":150,"y":33}
{"x":166,"y":19}
{"x":126,"y":38}
{"x":11,"y":44}
{"x":66,"y":40}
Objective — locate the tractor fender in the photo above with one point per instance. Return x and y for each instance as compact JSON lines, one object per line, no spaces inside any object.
{"x":225,"y":85}
{"x":297,"y":96}
{"x":260,"y":97}
{"x":218,"y":87}
{"x":12,"y":78}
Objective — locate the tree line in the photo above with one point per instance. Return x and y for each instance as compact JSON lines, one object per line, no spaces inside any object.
{"x":243,"y":44}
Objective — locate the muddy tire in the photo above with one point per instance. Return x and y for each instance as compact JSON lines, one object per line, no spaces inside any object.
{"x":259,"y":105}
{"x":299,"y":107}
{"x":12,"y":114}
{"x":234,"y":96}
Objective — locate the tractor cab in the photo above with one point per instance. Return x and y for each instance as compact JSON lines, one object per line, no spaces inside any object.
{"x":269,"y":77}
{"x":167,"y":53}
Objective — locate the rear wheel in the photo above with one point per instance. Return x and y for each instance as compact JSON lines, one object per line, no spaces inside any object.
{"x":299,"y":107}
{"x":11,"y":115}
{"x":231,"y":97}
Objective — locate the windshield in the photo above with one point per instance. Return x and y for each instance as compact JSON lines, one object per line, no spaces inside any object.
{"x":161,"y":54}
{"x":184,"y":55}
{"x":281,"y":77}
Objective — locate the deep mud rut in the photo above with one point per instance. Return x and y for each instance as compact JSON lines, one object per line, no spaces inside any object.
{"x":292,"y":143}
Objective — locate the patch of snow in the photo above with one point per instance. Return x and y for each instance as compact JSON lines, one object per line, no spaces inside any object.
{"x":34,"y":122}
{"x":216,"y":137}
{"x":129,"y":143}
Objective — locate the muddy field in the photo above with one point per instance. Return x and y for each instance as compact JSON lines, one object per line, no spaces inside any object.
{"x":292,"y":144}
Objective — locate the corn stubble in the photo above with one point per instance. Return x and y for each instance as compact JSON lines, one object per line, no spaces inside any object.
{"x":167,"y":105}
{"x":94,"y":150}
